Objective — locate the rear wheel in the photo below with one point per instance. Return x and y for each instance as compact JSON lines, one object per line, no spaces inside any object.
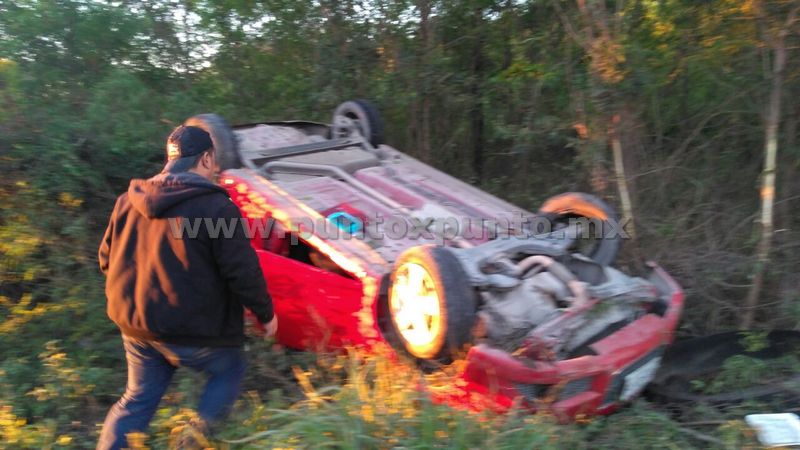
{"x":361,"y":115}
{"x":225,"y":143}
{"x":431,"y":304}
{"x":598,"y":239}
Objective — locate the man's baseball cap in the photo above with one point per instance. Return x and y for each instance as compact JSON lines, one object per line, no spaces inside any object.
{"x":184,"y":145}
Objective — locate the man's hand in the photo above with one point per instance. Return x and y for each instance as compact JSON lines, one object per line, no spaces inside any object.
{"x":271,"y":328}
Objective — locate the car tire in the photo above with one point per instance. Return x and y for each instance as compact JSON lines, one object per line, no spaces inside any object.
{"x":563,"y":207}
{"x":367,"y":117}
{"x":225,"y":142}
{"x":456,"y":302}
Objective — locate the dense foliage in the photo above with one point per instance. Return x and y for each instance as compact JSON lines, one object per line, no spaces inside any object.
{"x":523,"y":98}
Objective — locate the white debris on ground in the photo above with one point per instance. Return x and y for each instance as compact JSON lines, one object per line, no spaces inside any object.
{"x":776,"y":430}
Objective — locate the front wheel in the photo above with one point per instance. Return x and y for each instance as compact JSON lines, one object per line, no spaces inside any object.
{"x":431,"y":304}
{"x":598,"y":240}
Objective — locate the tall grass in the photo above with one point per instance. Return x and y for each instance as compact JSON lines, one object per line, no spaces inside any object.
{"x":292,"y":400}
{"x":357,"y":401}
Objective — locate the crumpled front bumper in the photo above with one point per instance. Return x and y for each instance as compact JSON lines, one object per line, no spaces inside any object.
{"x":620,"y":367}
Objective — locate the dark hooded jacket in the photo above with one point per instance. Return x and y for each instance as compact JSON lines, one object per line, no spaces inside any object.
{"x":168,"y":277}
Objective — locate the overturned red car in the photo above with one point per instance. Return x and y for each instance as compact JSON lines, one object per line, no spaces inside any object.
{"x":362,"y":245}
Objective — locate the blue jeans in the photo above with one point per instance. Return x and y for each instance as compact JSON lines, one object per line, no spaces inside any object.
{"x":150,"y":369}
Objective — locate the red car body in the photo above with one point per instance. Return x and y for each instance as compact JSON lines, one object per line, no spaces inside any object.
{"x":585,"y":351}
{"x":320,"y":310}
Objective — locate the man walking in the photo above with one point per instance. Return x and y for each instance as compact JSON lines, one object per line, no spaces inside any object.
{"x":178,"y":300}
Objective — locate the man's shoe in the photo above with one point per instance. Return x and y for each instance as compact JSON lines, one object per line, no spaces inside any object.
{"x":192,"y":435}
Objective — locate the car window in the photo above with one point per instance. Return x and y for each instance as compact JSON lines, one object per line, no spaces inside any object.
{"x":296,"y":248}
